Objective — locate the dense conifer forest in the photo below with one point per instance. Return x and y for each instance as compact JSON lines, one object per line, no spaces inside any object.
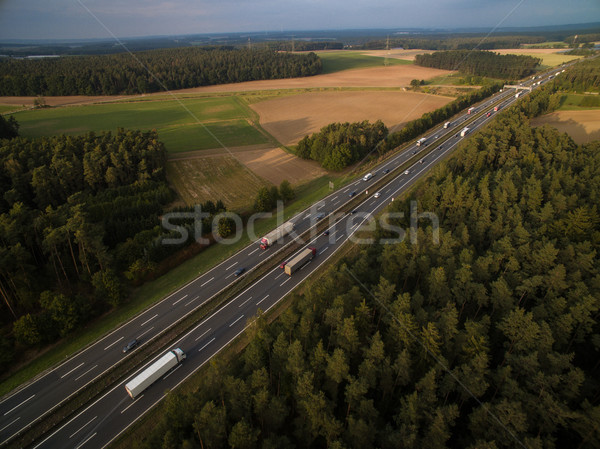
{"x":149,"y":71}
{"x":79,"y":224}
{"x":480,"y":63}
{"x":488,"y":339}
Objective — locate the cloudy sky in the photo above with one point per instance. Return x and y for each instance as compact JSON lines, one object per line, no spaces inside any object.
{"x":77,"y":19}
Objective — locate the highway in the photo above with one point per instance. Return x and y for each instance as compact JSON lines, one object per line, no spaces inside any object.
{"x":107,"y":417}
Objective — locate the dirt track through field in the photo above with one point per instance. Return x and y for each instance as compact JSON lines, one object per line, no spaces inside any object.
{"x":582,"y":126}
{"x":290,"y":118}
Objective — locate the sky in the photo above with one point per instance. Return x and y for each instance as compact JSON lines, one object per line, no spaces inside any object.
{"x":87,"y":19}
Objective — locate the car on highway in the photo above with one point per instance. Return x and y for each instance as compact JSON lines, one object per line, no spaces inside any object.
{"x":421,"y":161}
{"x":407,"y":172}
{"x":414,"y":152}
{"x":326,"y":232}
{"x":377,"y":195}
{"x":351,"y":194}
{"x":353,"y":212}
{"x":320,"y":215}
{"x":239,"y":271}
{"x":282,"y":266}
{"x":488,"y":114}
{"x":386,"y":171}
{"x":131,"y":345}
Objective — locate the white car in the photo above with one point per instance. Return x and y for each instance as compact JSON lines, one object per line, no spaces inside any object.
{"x":407,"y":172}
{"x":377,"y":195}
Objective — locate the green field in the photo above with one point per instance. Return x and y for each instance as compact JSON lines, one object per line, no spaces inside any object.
{"x":225,"y":117}
{"x":232,"y":133}
{"x":4,"y":108}
{"x":336,"y":61}
{"x":575,"y":102}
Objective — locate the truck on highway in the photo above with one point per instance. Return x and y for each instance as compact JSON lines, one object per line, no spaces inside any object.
{"x":470,"y":110}
{"x":464,"y":132}
{"x":518,"y":94}
{"x":297,"y":262}
{"x":276,"y":234}
{"x":446,"y":125}
{"x":154,"y":372}
{"x":421,"y":141}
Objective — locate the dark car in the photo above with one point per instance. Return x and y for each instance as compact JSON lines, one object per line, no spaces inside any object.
{"x":129,"y":346}
{"x":326,"y":232}
{"x":352,"y":193}
{"x":239,"y":271}
{"x":320,"y":215}
{"x":387,"y":170}
{"x":353,"y":212}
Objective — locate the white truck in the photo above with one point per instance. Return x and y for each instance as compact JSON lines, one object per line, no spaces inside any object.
{"x":470,"y":110}
{"x":446,"y":125}
{"x":421,"y":141}
{"x":297,"y":262}
{"x":154,"y":372}
{"x":367,"y":176}
{"x":276,"y":234}
{"x":518,"y":94}
{"x":464,"y":132}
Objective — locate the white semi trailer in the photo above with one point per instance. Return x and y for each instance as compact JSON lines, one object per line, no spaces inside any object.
{"x":154,"y":372}
{"x":276,"y":234}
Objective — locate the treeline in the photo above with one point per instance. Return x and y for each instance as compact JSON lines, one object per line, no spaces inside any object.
{"x":581,"y":77}
{"x":339,"y":145}
{"x":454,"y":43}
{"x":488,"y":339}
{"x":266,"y":198}
{"x":305,"y":45}
{"x":9,"y":127}
{"x":576,"y":39}
{"x":480,"y":63}
{"x":149,"y":71}
{"x":79,"y":224}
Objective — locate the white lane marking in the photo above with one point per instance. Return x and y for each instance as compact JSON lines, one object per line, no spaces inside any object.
{"x":137,"y":399}
{"x":323,"y":250}
{"x":236,"y":321}
{"x":203,"y":334}
{"x":180,"y":299}
{"x":252,"y":252}
{"x":79,"y":430}
{"x":66,"y":374}
{"x":306,"y":217}
{"x":227,"y":277}
{"x":335,"y":202}
{"x":149,"y":319}
{"x":81,"y":375}
{"x":114,"y":343}
{"x":321,"y":206}
{"x":245,"y":301}
{"x":339,"y":237}
{"x":285,"y":281}
{"x":200,"y":350}
{"x":302,"y":267}
{"x":262,"y":300}
{"x":145,"y":332}
{"x":346,"y":190}
{"x":191,"y":301}
{"x":202,"y":285}
{"x":8,"y":425}
{"x":334,"y":198}
{"x":178,"y":366}
{"x":230,"y":266}
{"x":93,"y":435}
{"x":279,"y":275}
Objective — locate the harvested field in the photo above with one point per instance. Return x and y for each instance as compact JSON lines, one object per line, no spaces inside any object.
{"x":582,"y":126}
{"x":407,"y":55}
{"x":275,"y":165}
{"x":550,"y":56}
{"x":212,"y":178}
{"x":290,"y":118}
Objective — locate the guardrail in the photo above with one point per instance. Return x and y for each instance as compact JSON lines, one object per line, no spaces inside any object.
{"x":121,"y":370}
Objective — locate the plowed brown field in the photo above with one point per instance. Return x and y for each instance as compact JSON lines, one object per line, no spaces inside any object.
{"x":582,"y":126}
{"x":290,"y":118}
